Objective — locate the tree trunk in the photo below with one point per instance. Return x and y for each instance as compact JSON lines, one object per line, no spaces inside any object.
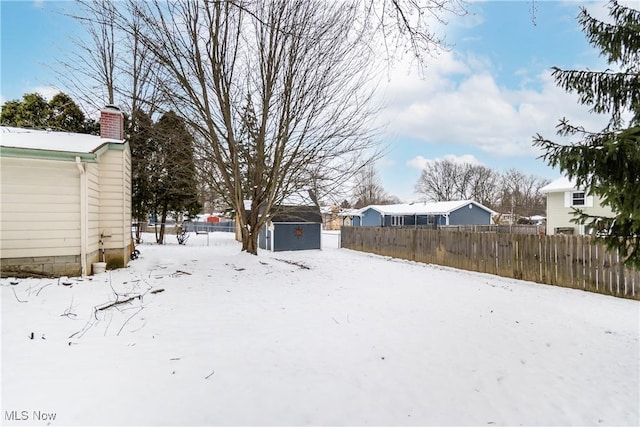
{"x":250,"y":243}
{"x":250,"y":240}
{"x":138,"y":235}
{"x":160,"y":238}
{"x":251,"y":231}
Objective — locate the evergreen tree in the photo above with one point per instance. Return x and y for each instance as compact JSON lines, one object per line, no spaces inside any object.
{"x":10,"y":113}
{"x":32,"y":112}
{"x":606,"y":163}
{"x":174,"y":174}
{"x":65,"y":114}
{"x":143,"y":147}
{"x":59,"y":114}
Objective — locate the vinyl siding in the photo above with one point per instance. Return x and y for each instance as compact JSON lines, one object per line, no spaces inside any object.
{"x":115,"y":198}
{"x":560,"y":216}
{"x":40,"y":209}
{"x":371,"y":218}
{"x":93,"y":208}
{"x":473,"y":216}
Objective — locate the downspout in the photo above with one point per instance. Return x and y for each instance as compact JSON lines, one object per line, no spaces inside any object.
{"x":83,"y":216}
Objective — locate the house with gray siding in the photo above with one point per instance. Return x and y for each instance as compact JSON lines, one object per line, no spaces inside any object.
{"x":424,"y":214}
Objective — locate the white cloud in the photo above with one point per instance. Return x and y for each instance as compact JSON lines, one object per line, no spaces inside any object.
{"x":459,"y":102}
{"x":48,"y":92}
{"x":420,"y":162}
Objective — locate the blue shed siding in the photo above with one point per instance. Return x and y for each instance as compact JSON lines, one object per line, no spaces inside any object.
{"x":286,"y":239}
{"x":473,"y":216}
{"x":263,"y":238}
{"x":356,"y":221}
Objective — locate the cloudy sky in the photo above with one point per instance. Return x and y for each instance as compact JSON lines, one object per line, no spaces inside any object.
{"x":481,"y":101}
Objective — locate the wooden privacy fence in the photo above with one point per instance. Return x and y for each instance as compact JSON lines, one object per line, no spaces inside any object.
{"x":511,"y":229}
{"x":568,"y":261}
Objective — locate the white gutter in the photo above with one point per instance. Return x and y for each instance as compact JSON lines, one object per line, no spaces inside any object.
{"x":83,"y":216}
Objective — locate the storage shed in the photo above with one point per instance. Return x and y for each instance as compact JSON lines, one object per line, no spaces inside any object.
{"x":66,"y":199}
{"x":292,"y":228}
{"x":296,"y":224}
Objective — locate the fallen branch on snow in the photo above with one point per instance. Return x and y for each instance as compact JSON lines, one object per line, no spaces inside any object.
{"x":127,"y":321}
{"x":118,"y":302}
{"x":16,"y":295}
{"x":297,"y":264}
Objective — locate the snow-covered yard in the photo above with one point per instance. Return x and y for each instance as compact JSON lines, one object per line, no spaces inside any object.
{"x":331,"y":337}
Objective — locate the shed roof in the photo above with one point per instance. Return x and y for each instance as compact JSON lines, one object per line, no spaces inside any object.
{"x":297,"y":214}
{"x":425,"y":208}
{"x":36,"y":139}
{"x":296,"y":207}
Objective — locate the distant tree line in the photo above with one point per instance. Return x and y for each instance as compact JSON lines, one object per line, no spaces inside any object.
{"x":510,"y":192}
{"x":368,"y":190}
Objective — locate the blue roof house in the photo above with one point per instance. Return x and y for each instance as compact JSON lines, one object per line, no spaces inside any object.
{"x":461,"y":212}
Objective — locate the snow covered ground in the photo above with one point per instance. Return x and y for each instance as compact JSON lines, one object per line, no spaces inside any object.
{"x":331,"y":337}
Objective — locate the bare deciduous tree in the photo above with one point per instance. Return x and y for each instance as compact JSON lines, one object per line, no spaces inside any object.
{"x":368,"y":189}
{"x":277,"y":91}
{"x":520,"y":194}
{"x":439,"y":181}
{"x":110,"y":65}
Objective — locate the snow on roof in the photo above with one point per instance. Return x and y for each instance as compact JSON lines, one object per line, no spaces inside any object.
{"x":51,"y":141}
{"x":350,"y":212}
{"x":295,"y":199}
{"x":299,"y":198}
{"x":560,"y":184}
{"x":426,"y":208}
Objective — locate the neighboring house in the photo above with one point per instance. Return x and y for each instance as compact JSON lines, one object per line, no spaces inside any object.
{"x":66,"y":199}
{"x":347,"y":216}
{"x":562,"y":198}
{"x":462,"y":212}
{"x":330,"y":217}
{"x":334,"y":217}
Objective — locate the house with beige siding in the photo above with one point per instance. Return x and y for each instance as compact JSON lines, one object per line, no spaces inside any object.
{"x":563,"y":197}
{"x":66,"y":199}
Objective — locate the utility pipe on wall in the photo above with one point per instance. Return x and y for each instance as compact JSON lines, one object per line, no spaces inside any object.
{"x":83,"y":216}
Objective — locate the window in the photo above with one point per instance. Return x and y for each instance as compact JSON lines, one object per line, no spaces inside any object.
{"x":397,"y":221}
{"x":577,"y":198}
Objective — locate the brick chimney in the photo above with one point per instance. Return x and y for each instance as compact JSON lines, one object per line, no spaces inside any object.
{"x":111,"y":123}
